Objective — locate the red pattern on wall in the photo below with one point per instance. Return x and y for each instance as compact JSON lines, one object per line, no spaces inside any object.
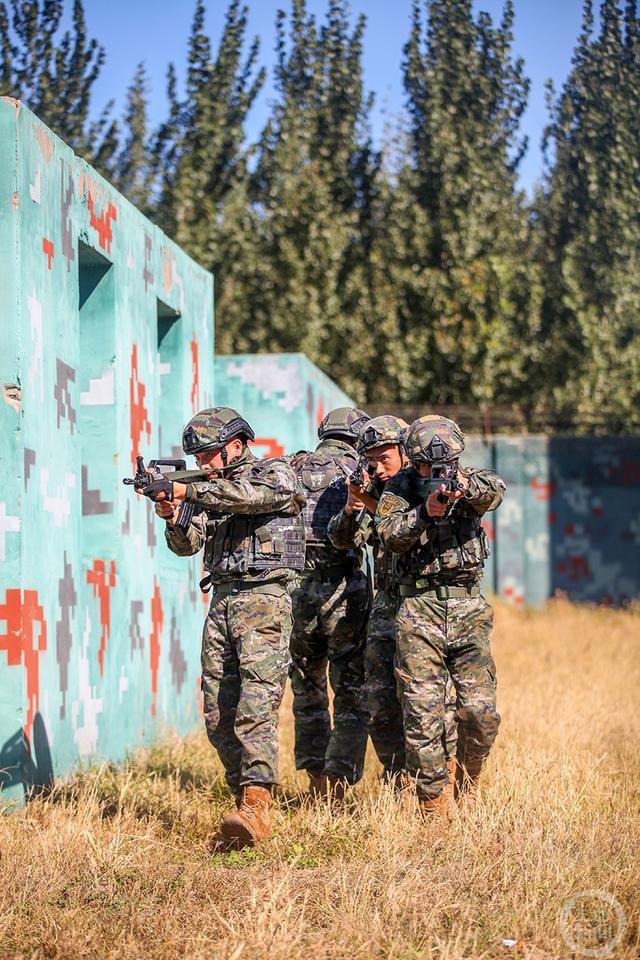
{"x":47,"y":249}
{"x":138,"y":414}
{"x":102,"y":224}
{"x":195,"y":377}
{"x":273,"y":448}
{"x":103,"y":583}
{"x":320,"y":411}
{"x":489,"y":529}
{"x":22,"y":612}
{"x":543,"y":490}
{"x":157,"y":621}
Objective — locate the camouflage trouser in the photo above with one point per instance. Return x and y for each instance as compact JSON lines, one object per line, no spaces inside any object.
{"x":245,"y":661}
{"x":385,"y":713}
{"x":330,"y":620}
{"x":436,"y":638}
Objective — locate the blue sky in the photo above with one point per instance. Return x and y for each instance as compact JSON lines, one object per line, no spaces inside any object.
{"x":156,"y":31}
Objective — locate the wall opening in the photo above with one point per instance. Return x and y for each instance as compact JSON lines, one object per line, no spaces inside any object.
{"x":97,"y":416}
{"x":171,"y":362}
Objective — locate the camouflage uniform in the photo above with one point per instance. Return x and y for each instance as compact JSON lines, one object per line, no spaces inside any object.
{"x":385,"y":713}
{"x":385,"y":716}
{"x":250,"y":526}
{"x":443,"y":622}
{"x":330,"y":610}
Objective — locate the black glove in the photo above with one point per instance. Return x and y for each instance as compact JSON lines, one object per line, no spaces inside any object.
{"x":156,"y":488}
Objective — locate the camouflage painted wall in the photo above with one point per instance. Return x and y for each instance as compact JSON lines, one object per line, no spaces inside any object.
{"x":283,"y":396}
{"x":107,"y":337}
{"x":570,"y":522}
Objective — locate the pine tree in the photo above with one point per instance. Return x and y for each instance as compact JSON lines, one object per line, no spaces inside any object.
{"x":133,"y":172}
{"x":55,"y":75}
{"x":589,"y":227}
{"x":458,"y":230}
{"x":307,"y":287}
{"x":199,"y":157}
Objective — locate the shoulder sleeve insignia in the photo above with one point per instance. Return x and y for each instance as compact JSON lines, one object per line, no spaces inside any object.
{"x":387,"y":505}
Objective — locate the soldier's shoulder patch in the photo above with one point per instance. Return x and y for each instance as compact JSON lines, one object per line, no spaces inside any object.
{"x":388,"y":503}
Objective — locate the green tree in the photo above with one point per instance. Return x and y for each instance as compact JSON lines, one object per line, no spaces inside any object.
{"x":54,"y":74}
{"x":199,"y":157}
{"x":306,"y":284}
{"x":458,"y":234}
{"x":133,"y":171}
{"x":588,"y":228}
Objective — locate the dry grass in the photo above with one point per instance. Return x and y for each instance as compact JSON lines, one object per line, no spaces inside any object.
{"x":116,"y":865}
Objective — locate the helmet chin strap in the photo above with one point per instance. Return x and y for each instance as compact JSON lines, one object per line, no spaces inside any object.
{"x":224,"y":456}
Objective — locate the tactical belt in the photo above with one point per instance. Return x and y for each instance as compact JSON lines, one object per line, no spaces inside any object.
{"x":228,"y":588}
{"x":440,"y":591}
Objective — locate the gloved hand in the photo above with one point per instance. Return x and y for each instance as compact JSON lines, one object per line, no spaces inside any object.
{"x":159,"y":490}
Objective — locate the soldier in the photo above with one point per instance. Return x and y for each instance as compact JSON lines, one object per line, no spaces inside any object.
{"x":251,"y":528}
{"x":443,"y":622}
{"x":330,"y":610}
{"x":381,"y":441}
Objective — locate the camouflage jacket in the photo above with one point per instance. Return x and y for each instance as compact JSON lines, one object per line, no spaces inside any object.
{"x":451,"y":549}
{"x":350,"y":531}
{"x":249,"y":523}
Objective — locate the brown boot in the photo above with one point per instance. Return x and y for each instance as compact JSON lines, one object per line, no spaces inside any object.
{"x":250,"y":822}
{"x":451,"y":790}
{"x":317,"y":784}
{"x":467,"y":776}
{"x":434,"y":808}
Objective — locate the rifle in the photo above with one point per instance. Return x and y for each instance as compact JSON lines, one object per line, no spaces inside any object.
{"x":357,"y":478}
{"x":179,"y":473}
{"x":442,"y":472}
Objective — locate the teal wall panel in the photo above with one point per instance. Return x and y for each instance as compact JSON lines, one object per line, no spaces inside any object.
{"x":107,"y":332}
{"x":283,"y":396}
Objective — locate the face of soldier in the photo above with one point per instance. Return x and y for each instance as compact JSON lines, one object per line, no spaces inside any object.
{"x":210,"y":461}
{"x":424,"y":469}
{"x":386,"y":461}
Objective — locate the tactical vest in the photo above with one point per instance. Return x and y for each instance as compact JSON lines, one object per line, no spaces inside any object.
{"x":451,"y":550}
{"x":323,"y":477}
{"x":238,"y":545}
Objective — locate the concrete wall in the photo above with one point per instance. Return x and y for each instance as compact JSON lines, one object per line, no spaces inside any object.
{"x":570,"y":522}
{"x":107,"y":344}
{"x":283,"y":396}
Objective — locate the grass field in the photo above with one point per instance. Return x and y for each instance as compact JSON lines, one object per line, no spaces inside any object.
{"x":116,"y":864}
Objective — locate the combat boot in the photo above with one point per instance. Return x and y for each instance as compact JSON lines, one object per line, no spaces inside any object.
{"x":434,"y":808}
{"x":250,"y":822}
{"x":318,"y":786}
{"x":451,"y":790}
{"x":467,"y":776}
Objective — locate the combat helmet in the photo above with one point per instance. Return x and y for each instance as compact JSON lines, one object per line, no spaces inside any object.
{"x":434,"y":439}
{"x":379,"y":432}
{"x":342,"y":422}
{"x":212,"y":429}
